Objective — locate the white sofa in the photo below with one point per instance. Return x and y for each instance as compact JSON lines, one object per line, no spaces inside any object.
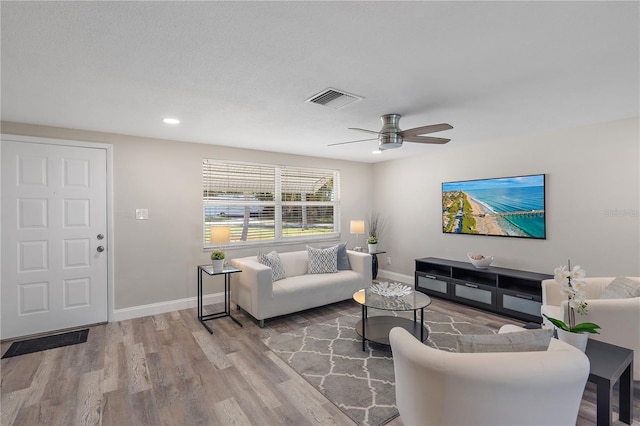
{"x":619,"y":319}
{"x":255,"y":292}
{"x":435,"y":387}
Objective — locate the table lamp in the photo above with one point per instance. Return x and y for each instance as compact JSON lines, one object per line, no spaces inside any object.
{"x":356,"y":227}
{"x":220,"y":235}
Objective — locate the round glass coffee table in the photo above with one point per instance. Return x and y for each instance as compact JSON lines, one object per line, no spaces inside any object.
{"x":377,"y":328}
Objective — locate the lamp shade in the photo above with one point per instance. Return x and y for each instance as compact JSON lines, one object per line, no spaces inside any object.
{"x":356,"y":227}
{"x":220,"y":234}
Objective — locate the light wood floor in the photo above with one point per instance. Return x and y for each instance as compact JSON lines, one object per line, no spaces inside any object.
{"x":168,"y":370}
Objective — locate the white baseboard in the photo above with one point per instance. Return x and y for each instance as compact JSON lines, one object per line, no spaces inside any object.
{"x":192,"y":302}
{"x":163,"y":307}
{"x":389,"y":275}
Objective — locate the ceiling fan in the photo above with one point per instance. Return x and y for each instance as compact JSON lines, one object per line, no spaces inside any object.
{"x":390,"y":136}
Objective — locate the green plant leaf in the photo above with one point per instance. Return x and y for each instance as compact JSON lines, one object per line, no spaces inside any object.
{"x":217,"y":255}
{"x":586,"y":327}
{"x":558,"y":323}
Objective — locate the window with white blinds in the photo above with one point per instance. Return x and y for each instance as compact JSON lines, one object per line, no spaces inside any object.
{"x":262,"y":203}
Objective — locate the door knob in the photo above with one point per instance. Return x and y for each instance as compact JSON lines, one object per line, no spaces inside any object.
{"x":100,"y":236}
{"x":100,"y":249}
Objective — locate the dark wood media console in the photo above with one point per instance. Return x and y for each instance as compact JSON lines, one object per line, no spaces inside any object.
{"x":510,"y":292}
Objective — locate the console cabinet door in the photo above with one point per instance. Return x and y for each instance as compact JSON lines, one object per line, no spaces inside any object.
{"x":520,"y":304}
{"x":474,"y":294}
{"x":432,"y":284}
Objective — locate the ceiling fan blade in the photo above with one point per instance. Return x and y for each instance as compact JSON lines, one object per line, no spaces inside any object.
{"x":425,"y":139}
{"x":364,"y":130}
{"x":344,"y":143}
{"x":423,"y":130}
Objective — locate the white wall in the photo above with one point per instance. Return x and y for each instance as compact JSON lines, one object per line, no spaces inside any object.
{"x":155,"y":260}
{"x":592,"y":200}
{"x":593,"y":204}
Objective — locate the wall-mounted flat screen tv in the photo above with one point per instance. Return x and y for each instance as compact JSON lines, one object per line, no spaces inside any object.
{"x":508,"y":206}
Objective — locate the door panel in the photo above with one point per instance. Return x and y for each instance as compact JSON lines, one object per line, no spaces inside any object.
{"x":53,"y":208}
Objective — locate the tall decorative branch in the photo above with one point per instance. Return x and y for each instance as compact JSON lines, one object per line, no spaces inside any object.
{"x":376,"y":225}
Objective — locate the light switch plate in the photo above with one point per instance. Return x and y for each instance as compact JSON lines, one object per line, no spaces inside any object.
{"x":142,"y":214}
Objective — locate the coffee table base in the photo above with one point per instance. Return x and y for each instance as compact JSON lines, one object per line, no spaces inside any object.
{"x":377,"y":328}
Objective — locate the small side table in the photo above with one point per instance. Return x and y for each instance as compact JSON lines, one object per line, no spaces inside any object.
{"x":374,"y":263}
{"x":227,"y":271}
{"x":610,"y":364}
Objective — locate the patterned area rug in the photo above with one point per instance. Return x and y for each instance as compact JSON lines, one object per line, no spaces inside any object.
{"x":329,"y":356}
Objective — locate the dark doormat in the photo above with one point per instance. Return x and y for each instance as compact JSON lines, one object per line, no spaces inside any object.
{"x":48,"y":342}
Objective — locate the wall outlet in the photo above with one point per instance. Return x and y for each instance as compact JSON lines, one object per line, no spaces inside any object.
{"x":388,"y":260}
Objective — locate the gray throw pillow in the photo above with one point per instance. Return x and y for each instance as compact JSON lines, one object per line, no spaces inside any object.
{"x":521,"y":341}
{"x":272,"y":260}
{"x":343,"y":257}
{"x":323,"y":261}
{"x":621,"y":288}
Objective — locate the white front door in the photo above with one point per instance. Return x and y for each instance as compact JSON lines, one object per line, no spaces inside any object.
{"x":54,"y":237}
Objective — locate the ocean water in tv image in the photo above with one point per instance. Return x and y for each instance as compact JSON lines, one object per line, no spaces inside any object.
{"x":514,"y":200}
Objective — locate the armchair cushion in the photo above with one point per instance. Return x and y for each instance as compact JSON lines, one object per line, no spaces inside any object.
{"x":323,"y":261}
{"x":521,"y":341}
{"x":272,"y":260}
{"x":621,"y":288}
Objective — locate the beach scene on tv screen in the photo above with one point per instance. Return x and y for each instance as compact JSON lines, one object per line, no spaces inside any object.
{"x":512,"y":206}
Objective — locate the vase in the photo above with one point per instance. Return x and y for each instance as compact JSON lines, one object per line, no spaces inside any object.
{"x":578,"y":340}
{"x":218,"y":265}
{"x":372,"y":248}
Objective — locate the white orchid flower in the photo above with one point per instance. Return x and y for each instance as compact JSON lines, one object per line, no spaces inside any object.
{"x":578,"y":285}
{"x":572,"y":286}
{"x":577,"y":273}
{"x":566,"y":289}
{"x":560,"y":274}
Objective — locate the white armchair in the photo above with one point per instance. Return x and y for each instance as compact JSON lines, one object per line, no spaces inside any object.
{"x":435,"y":387}
{"x":619,"y":319}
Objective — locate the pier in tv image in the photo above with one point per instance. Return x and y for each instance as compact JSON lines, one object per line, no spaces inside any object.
{"x":509,"y":206}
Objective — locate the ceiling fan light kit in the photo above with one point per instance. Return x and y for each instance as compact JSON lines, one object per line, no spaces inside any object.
{"x":389,"y":141}
{"x":390,"y":136}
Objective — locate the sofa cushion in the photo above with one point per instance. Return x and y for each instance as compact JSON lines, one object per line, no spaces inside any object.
{"x":521,"y":341}
{"x":272,"y":260}
{"x":323,"y":261}
{"x":295,"y":262}
{"x":343,"y":257}
{"x":621,"y":288}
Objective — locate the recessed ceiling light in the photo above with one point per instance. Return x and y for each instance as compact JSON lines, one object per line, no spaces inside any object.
{"x":170,"y":121}
{"x":377,"y":151}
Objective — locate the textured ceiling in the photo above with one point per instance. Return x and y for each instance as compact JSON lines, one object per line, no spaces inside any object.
{"x":238,"y":73}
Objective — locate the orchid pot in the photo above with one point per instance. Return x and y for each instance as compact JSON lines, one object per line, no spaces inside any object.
{"x":577,"y":340}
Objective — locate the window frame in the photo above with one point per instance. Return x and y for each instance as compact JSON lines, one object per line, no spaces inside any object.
{"x":276,"y":203}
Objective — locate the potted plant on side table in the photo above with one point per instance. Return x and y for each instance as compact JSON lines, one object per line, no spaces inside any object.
{"x":376,"y":225}
{"x":571,"y":286}
{"x":217,"y":259}
{"x":372,"y":243}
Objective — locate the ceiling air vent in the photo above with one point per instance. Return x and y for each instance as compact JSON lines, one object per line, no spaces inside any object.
{"x":333,"y":98}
